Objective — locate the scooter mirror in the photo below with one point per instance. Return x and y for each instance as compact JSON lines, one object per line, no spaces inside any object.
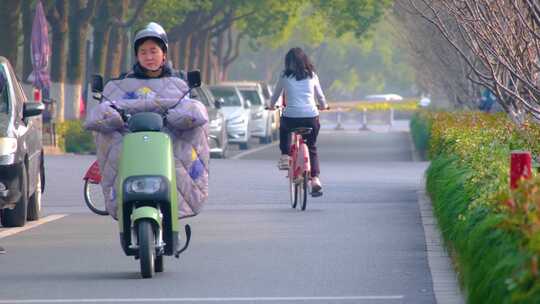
{"x":97,"y":83}
{"x":194,"y":78}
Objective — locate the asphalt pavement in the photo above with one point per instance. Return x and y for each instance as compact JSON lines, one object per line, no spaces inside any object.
{"x":361,"y":242}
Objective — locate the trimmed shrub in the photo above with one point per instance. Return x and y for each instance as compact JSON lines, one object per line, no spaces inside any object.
{"x":493,"y":233}
{"x":420,"y":131}
{"x":73,"y":138}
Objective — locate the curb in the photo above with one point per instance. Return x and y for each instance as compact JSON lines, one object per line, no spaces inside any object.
{"x":443,"y":275}
{"x":444,"y":278}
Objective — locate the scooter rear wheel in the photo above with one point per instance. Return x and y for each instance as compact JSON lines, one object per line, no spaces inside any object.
{"x":147,"y":252}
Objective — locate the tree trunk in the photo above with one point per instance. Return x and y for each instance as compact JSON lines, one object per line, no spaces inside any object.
{"x":174,"y":53}
{"x":187,"y":47}
{"x":9,"y":23}
{"x":114,"y":62}
{"x":116,"y":47}
{"x":28,"y":18}
{"x":204,"y":39}
{"x":102,"y":30}
{"x":78,"y":30}
{"x":57,"y":16}
{"x":194,"y":53}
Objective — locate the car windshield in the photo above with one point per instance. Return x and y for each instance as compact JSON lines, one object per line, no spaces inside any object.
{"x":201,"y":96}
{"x":229,"y":96}
{"x":252,"y":96}
{"x":4,"y":101}
{"x":4,"y":95}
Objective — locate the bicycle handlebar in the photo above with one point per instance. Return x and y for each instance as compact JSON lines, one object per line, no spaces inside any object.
{"x":278,"y":107}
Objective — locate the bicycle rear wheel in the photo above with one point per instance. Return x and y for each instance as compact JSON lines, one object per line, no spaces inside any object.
{"x":302,"y":189}
{"x":292,"y":189}
{"x":93,"y":197}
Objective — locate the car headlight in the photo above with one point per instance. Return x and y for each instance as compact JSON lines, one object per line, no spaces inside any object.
{"x":8,"y":145}
{"x":257,"y":115}
{"x":236,"y":120}
{"x":146,"y":185}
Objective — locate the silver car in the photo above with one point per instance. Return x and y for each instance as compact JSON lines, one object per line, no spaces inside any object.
{"x":261,"y":119}
{"x":237,"y":113}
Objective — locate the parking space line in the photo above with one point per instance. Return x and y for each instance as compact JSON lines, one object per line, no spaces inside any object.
{"x":220,"y":299}
{"x":11,"y":231}
{"x":237,"y":156}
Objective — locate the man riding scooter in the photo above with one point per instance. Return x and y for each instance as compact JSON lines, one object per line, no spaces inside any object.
{"x":152,"y":79}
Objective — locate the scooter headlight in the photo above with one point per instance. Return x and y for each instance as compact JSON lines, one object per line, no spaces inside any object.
{"x":146,"y":185}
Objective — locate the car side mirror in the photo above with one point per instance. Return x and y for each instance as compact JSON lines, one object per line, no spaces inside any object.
{"x":97,"y":86}
{"x":247,"y":104}
{"x":219,"y":102}
{"x":194,"y":78}
{"x":32,"y":109}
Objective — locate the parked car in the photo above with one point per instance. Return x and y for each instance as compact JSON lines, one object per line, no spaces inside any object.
{"x":261,"y":119}
{"x":217,"y":137}
{"x":268,"y":90}
{"x":22,"y":174}
{"x":237,"y":113}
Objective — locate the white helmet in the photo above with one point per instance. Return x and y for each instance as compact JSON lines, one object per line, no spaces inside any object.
{"x":151,"y":31}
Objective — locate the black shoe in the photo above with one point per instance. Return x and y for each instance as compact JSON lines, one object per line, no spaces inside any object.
{"x":2,"y":250}
{"x":316,"y":193}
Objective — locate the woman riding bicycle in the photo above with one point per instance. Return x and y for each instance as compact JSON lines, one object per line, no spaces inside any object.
{"x":304,"y":97}
{"x":153,"y":86}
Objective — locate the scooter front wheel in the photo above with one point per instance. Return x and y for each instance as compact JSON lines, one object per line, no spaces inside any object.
{"x":147,"y":252}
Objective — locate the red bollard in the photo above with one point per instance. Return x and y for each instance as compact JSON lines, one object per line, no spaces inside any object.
{"x":520,"y":167}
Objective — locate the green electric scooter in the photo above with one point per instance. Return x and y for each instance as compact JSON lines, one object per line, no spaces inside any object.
{"x":146,"y":188}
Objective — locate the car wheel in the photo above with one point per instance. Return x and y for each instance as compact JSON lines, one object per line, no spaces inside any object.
{"x":224,"y":150}
{"x":34,"y":202}
{"x":16,"y":217}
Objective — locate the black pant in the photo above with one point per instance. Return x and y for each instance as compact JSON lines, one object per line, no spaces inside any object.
{"x":288,"y":123}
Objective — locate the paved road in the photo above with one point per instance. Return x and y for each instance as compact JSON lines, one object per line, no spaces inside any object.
{"x":362,"y":242}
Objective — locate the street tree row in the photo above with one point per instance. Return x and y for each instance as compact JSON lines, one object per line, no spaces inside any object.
{"x":464,"y":44}
{"x":203,"y":34}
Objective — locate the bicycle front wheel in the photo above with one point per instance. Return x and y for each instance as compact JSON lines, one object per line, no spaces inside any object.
{"x":93,"y":197}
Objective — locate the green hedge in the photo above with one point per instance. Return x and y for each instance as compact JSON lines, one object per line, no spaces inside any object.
{"x":486,"y":256}
{"x":492,"y":233}
{"x":73,"y":138}
{"x":420,"y":132}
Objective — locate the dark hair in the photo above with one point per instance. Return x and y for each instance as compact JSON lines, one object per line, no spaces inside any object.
{"x":158,"y":41}
{"x":298,"y":65}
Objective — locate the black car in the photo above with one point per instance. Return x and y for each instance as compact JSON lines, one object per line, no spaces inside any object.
{"x":22,"y":174}
{"x":217,"y":125}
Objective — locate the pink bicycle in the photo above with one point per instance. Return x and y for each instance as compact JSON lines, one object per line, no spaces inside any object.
{"x":299,"y":173}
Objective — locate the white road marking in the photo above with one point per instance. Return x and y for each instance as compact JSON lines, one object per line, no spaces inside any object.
{"x":237,"y":299}
{"x":237,"y":156}
{"x":11,"y":231}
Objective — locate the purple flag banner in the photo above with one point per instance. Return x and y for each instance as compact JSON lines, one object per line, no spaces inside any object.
{"x":40,"y":49}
